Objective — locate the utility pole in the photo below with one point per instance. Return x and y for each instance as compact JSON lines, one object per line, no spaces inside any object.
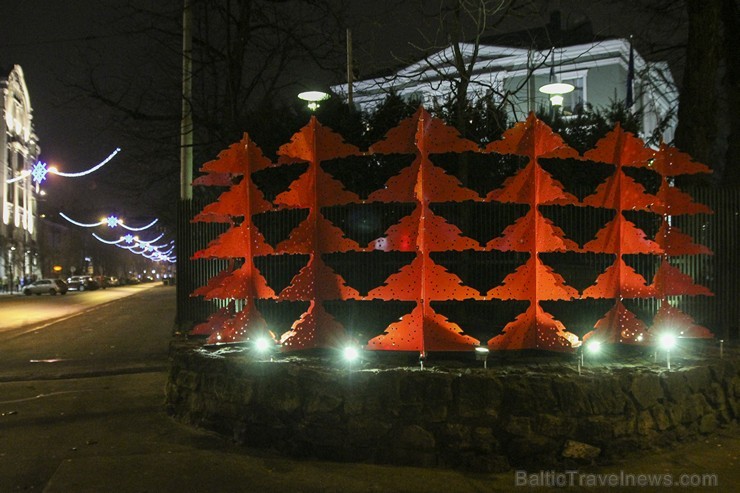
{"x":350,"y":74}
{"x":186,"y":123}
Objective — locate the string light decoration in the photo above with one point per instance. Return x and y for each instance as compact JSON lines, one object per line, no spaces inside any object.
{"x":40,"y":170}
{"x":110,"y":221}
{"x":147,"y":250}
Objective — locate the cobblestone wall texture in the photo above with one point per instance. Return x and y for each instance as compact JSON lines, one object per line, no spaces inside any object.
{"x":531,"y":416}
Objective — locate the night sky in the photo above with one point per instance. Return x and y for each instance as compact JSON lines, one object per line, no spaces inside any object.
{"x":59,"y":44}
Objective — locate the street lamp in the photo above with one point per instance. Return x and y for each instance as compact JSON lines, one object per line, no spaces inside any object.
{"x":313,"y":98}
{"x":555,"y":88}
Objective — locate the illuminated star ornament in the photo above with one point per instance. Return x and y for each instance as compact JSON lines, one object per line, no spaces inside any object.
{"x":39,"y":172}
{"x":112,"y":221}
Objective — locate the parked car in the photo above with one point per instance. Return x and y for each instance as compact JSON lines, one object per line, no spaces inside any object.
{"x":43,"y":286}
{"x":82,"y":283}
{"x":112,"y":281}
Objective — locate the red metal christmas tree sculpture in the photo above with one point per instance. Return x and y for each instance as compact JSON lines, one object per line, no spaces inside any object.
{"x":316,"y":282}
{"x":669,"y":280}
{"x":620,"y":237}
{"x":422,"y":231}
{"x":534,"y":281}
{"x":243,"y":241}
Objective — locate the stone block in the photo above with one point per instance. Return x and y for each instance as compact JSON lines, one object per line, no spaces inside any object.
{"x":531,"y":450}
{"x":674,"y":386}
{"x":484,"y":440}
{"x":595,"y":429}
{"x":697,"y":378}
{"x":661,"y":418}
{"x":572,"y":397}
{"x":472,"y":398}
{"x":646,"y":390}
{"x":519,"y":426}
{"x":580,"y":451}
{"x":707,"y":424}
{"x":645,"y":423}
{"x":367,"y":431}
{"x":415,"y":437}
{"x":554,"y":426}
{"x":606,"y":396}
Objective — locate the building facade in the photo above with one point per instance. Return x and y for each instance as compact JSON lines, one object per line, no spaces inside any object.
{"x":599,"y":72}
{"x":19,"y":151}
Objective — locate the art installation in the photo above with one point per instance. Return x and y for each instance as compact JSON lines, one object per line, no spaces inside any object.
{"x":423,"y":281}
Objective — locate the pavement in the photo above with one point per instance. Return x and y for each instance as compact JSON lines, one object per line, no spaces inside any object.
{"x":111,"y":433}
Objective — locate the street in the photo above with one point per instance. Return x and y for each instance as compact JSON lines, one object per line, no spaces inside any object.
{"x":85,"y":332}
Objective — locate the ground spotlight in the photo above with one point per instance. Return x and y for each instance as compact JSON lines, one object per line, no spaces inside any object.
{"x":481,"y":354}
{"x":263,"y":344}
{"x":594,"y":347}
{"x":667,"y":342}
{"x":350,"y":354}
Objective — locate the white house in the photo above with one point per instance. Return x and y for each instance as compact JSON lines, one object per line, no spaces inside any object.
{"x":19,"y":151}
{"x":512,"y":76}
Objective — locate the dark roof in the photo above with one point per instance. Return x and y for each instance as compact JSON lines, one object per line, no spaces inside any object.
{"x":549,"y":35}
{"x":538,"y":38}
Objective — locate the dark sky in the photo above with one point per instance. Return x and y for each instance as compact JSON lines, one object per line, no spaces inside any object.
{"x":58,"y":42}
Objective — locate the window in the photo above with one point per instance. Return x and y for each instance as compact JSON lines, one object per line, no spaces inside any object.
{"x":574,"y":101}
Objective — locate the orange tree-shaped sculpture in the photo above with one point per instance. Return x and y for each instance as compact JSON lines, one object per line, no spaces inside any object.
{"x":533,"y":233}
{"x":669,"y":280}
{"x":243,"y":240}
{"x":620,"y":237}
{"x":315,"y":282}
{"x":422,"y":231}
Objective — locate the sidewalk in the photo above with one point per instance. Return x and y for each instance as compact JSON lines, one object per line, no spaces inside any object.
{"x":111,"y":434}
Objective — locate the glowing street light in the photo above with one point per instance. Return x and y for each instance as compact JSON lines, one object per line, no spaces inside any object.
{"x":556,"y":88}
{"x":313,"y":98}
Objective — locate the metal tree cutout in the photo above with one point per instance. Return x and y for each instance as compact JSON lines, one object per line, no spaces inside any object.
{"x":669,"y":280}
{"x":242,"y":241}
{"x":316,"y":282}
{"x":534,"y":281}
{"x":423,"y":280}
{"x":620,"y":237}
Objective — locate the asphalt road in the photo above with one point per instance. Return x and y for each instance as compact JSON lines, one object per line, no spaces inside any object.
{"x":19,"y":311}
{"x":94,"y":332}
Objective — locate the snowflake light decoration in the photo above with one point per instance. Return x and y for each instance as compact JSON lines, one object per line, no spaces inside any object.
{"x":39,"y":172}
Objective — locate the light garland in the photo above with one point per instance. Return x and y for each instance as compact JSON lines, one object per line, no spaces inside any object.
{"x":40,"y":170}
{"x":142,"y":247}
{"x":111,"y":221}
{"x":107,"y":241}
{"x":84,"y":225}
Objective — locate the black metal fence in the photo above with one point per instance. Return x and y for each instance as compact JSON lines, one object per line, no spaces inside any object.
{"x":481,"y":270}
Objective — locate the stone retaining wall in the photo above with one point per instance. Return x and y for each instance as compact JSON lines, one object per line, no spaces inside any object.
{"x":486,"y":420}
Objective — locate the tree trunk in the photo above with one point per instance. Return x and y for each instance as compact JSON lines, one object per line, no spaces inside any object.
{"x":698,"y":104}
